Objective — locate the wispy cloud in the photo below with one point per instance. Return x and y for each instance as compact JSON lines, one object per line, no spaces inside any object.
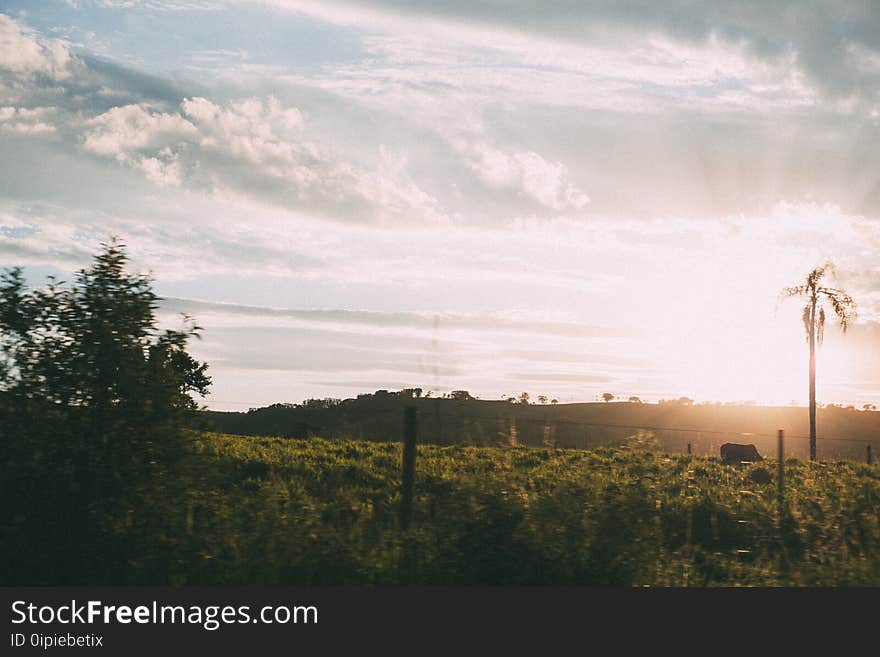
{"x":386,"y":320}
{"x":828,"y":42}
{"x":576,"y":198}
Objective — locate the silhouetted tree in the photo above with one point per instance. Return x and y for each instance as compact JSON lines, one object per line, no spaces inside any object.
{"x":542,"y":399}
{"x":524,"y":398}
{"x":814,"y":324}
{"x":94,"y":398}
{"x":635,"y":400}
{"x":607,"y":396}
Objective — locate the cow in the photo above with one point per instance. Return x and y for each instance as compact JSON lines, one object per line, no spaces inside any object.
{"x":734,"y":453}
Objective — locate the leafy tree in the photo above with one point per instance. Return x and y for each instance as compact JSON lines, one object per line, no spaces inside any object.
{"x":542,"y":399}
{"x":607,"y":396}
{"x":683,"y":401}
{"x":813,"y":316}
{"x":635,"y":400}
{"x":524,"y":398}
{"x":94,"y":396}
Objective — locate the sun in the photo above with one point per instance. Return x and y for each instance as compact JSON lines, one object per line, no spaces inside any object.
{"x":730,"y":338}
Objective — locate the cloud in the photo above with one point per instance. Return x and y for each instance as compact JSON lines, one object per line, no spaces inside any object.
{"x":461,"y":131}
{"x":162,"y":5}
{"x":328,"y":352}
{"x":511,"y":188}
{"x":24,"y":55}
{"x":558,"y":377}
{"x":266,"y":143}
{"x":545,"y":182}
{"x":645,"y":73}
{"x":58,"y":78}
{"x":122,"y":130}
{"x":185,"y":240}
{"x":391,"y":320}
{"x":256,"y":148}
{"x":442,"y":351}
{"x":27,"y":121}
{"x":828,"y":41}
{"x":529,"y":123}
{"x":24,"y":241}
{"x":257,"y":134}
{"x":631,"y":326}
{"x":141,"y":138}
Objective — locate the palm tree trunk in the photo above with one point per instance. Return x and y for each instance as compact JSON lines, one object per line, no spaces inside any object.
{"x":813,"y":381}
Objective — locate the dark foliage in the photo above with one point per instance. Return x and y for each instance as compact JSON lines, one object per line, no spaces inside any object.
{"x":274,"y":511}
{"x":92,"y":398}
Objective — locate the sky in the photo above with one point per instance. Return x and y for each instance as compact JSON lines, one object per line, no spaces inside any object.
{"x":563,"y":198}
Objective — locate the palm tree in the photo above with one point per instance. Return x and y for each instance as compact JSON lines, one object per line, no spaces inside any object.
{"x":814,"y":324}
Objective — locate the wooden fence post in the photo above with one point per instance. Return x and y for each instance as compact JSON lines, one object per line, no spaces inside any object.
{"x":780,"y":456}
{"x":689,"y":449}
{"x":410,"y":429}
{"x":868,"y":450}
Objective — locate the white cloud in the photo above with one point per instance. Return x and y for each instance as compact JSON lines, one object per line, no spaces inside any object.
{"x":26,"y":121}
{"x":122,"y":130}
{"x":546,"y":182}
{"x":52,"y":240}
{"x":248,"y":130}
{"x":256,"y":148}
{"x":391,"y":187}
{"x":262,"y":134}
{"x":161,"y":171}
{"x":141,"y":138}
{"x":25,"y":55}
{"x":649,"y":74}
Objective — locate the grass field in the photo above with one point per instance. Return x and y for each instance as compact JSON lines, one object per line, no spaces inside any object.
{"x":305,"y":512}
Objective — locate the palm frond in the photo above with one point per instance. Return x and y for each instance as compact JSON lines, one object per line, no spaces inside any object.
{"x":796,"y":291}
{"x":844,"y":307}
{"x":842,"y":303}
{"x":816,"y":275}
{"x":807,"y":321}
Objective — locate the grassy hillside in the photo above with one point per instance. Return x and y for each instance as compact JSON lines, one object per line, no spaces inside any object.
{"x":842,"y":433}
{"x":282,"y":511}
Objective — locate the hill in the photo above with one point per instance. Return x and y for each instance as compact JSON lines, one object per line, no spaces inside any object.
{"x":842,"y":433}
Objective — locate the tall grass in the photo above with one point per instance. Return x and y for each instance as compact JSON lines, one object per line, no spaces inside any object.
{"x":314,"y":512}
